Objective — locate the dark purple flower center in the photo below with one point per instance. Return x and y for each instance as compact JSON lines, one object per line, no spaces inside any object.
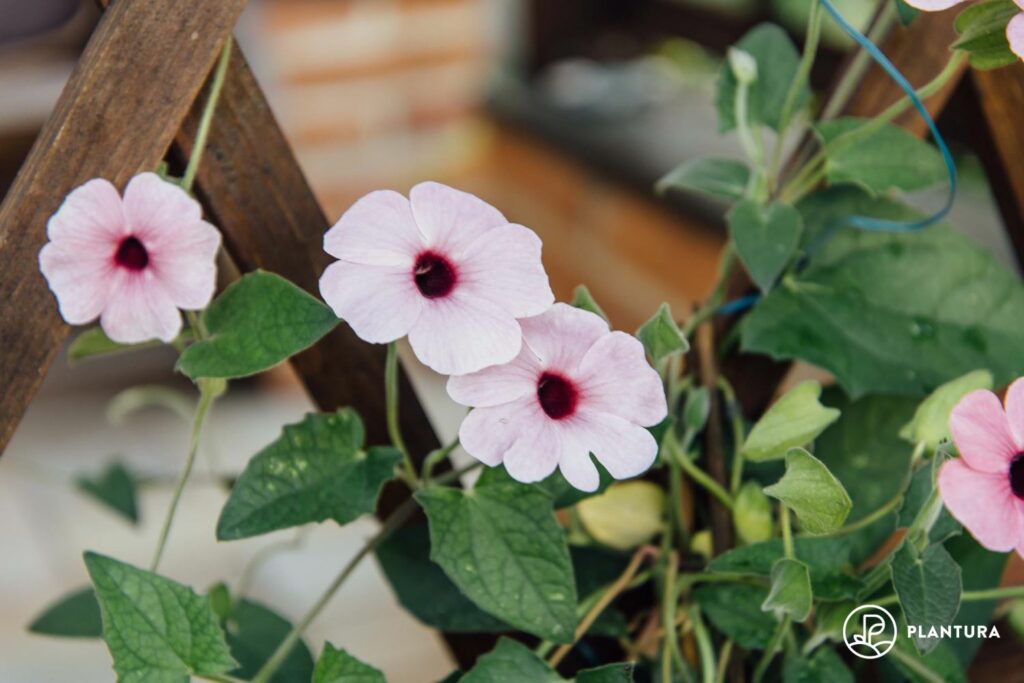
{"x":132,"y":254}
{"x":1017,"y":475}
{"x":435,"y":276}
{"x":558,"y":396}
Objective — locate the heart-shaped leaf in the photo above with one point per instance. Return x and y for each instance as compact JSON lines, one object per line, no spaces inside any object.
{"x":812,"y":492}
{"x":765,"y":238}
{"x":796,"y":419}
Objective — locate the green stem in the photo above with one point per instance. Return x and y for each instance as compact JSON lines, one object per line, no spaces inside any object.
{"x":264,"y":554}
{"x":697,"y":474}
{"x":668,"y":617}
{"x":705,"y":650}
{"x":391,"y":401}
{"x":436,"y":457}
{"x":675,"y":482}
{"x":1008,"y":592}
{"x":773,"y":646}
{"x":787,"y":531}
{"x":917,"y":666}
{"x":858,"y":67}
{"x":206,"y":398}
{"x":207,"y":118}
{"x":395,"y":520}
{"x":725,"y":267}
{"x":738,"y":437}
{"x":887,"y":508}
{"x":723,"y":660}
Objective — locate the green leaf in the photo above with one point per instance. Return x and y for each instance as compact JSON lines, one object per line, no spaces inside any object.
{"x":777,"y":63}
{"x":796,"y":419}
{"x":316,"y":470}
{"x":424,"y":590}
{"x":157,"y":629}
{"x":941,"y":662}
{"x":511,"y":662}
{"x":697,"y":409}
{"x":820,"y":502}
{"x":981,"y":569}
{"x":982,"y":29}
{"x":661,"y":336}
{"x":915,"y":497}
{"x":94,"y":343}
{"x":564,"y":494}
{"x":895,"y":313}
{"x":502,"y":547}
{"x":906,"y":13}
{"x":259,"y":321}
{"x":625,"y":516}
{"x":253,"y":633}
{"x":928,"y":586}
{"x":338,"y":666}
{"x":735,"y":610}
{"x":114,"y":487}
{"x":752,"y":514}
{"x":930,"y":423}
{"x":827,"y":559}
{"x":824,"y":666}
{"x":76,"y":615}
{"x":581,"y":298}
{"x":829,"y":208}
{"x":609,"y":673}
{"x":721,"y":178}
{"x":765,"y":237}
{"x":790,"y":591}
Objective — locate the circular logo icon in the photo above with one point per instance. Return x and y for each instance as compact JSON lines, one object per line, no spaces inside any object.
{"x":869,"y":631}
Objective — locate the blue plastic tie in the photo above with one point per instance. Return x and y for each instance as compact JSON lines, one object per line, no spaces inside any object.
{"x":738,"y":305}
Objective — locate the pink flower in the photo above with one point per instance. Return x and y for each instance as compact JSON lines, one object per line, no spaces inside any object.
{"x":1014,"y":30}
{"x":134,"y":261}
{"x":574,"y":389}
{"x":984,"y":487}
{"x":444,"y":268}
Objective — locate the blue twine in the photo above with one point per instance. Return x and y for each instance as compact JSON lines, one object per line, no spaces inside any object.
{"x":738,"y":305}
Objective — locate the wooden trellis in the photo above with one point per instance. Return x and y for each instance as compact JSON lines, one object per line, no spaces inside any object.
{"x":135,"y":99}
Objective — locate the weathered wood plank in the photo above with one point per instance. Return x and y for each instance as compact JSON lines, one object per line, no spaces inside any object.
{"x":136,"y":80}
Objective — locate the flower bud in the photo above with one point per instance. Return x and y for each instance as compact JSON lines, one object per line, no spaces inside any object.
{"x":752,"y":514}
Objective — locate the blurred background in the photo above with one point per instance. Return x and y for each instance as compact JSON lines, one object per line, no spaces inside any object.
{"x":563,"y":113}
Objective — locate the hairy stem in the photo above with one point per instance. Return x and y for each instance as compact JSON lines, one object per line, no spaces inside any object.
{"x":787,"y":531}
{"x":207,"y":118}
{"x":391,"y":401}
{"x":773,"y":647}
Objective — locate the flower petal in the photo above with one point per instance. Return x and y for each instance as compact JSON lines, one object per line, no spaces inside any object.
{"x":982,"y":432}
{"x":188,"y":267}
{"x":90,"y":216}
{"x":1015,"y":409}
{"x":155,"y":211}
{"x":982,"y":502}
{"x":450,"y":219}
{"x":139,"y":310}
{"x":1015,"y":32}
{"x":380,"y":303}
{"x":536,"y":452}
{"x":615,"y":378}
{"x":80,"y":279}
{"x":933,"y":5}
{"x":561,"y":336}
{"x":488,"y":433}
{"x":459,"y":334}
{"x":379,"y":229}
{"x":579,"y":469}
{"x":504,"y":267}
{"x":624,"y":449}
{"x":497,"y":384}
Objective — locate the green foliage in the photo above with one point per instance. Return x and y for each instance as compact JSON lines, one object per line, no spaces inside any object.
{"x":790,"y":591}
{"x":316,"y":470}
{"x":777,"y":63}
{"x":796,"y":419}
{"x":76,"y":615}
{"x":828,"y":209}
{"x":259,"y":321}
{"x":766,"y":237}
{"x":752,"y":514}
{"x":720,"y":178}
{"x":338,"y":666}
{"x":930,"y":423}
{"x":114,"y":487}
{"x":93,"y":343}
{"x":824,"y":666}
{"x":907,"y":13}
{"x":157,"y":630}
{"x":735,"y":610}
{"x":523,"y":578}
{"x":661,"y":336}
{"x":510,"y":662}
{"x":609,"y":673}
{"x":424,"y":590}
{"x":564,"y":494}
{"x":980,"y":569}
{"x":928,"y":585}
{"x":581,"y":298}
{"x":941,"y":662}
{"x":982,"y":29}
{"x":917,"y":493}
{"x":820,"y":502}
{"x":887,"y":159}
{"x":253,"y":633}
{"x":895,"y":313}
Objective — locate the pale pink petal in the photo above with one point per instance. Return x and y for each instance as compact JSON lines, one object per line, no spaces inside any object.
{"x":535,"y":454}
{"x":80,"y":279}
{"x":982,"y":432}
{"x":379,"y":229}
{"x":188,"y":267}
{"x":624,"y":449}
{"x":380,"y":303}
{"x":504,"y":267}
{"x":459,"y":334}
{"x":90,"y":216}
{"x":982,"y":502}
{"x":579,"y":469}
{"x":934,"y":5}
{"x":488,"y":433}
{"x":497,"y":384}
{"x":1015,"y":32}
{"x":561,"y":336}
{"x":139,"y":310}
{"x":156,"y":211}
{"x":1015,"y":409}
{"x":451,"y":219}
{"x":616,"y":378}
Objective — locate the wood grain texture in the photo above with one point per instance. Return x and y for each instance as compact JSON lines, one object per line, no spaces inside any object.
{"x":125,"y":100}
{"x":253,"y":189}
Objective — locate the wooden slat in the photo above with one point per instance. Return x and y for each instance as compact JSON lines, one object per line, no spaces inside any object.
{"x":253,"y":189}
{"x":125,"y":100}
